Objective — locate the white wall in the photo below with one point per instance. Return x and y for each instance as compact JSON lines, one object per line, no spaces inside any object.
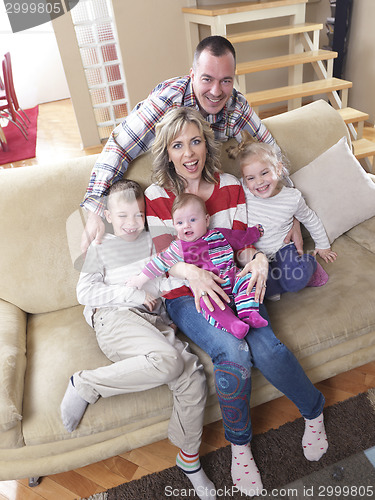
{"x":37,"y":69}
{"x":153,"y":43}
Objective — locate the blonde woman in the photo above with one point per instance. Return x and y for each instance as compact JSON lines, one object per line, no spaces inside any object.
{"x":187,"y":160}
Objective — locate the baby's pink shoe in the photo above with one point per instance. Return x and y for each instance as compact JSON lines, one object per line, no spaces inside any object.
{"x":319,"y":278}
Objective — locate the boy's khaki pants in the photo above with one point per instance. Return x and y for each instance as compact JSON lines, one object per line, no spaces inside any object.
{"x":145,"y":354}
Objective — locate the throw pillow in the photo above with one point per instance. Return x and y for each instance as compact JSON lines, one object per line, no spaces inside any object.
{"x":338,"y":189}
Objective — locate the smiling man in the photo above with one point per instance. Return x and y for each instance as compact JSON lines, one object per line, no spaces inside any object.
{"x":208,"y":88}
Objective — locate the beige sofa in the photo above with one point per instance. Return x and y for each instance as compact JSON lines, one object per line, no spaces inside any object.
{"x":44,"y":338}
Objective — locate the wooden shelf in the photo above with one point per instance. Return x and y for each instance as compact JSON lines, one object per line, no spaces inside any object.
{"x":303,"y":49}
{"x":295,"y":29}
{"x":238,"y":7}
{"x":363,"y":148}
{"x":284,"y":61}
{"x":350,"y":115}
{"x":295,"y":91}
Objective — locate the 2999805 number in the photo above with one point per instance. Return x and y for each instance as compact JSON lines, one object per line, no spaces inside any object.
{"x":346,"y":491}
{"x":34,"y":8}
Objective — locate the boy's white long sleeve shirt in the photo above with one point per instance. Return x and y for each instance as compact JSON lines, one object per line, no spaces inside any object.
{"x":105,"y":270}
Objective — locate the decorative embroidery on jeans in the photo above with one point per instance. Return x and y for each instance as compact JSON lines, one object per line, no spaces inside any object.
{"x":233,"y":385}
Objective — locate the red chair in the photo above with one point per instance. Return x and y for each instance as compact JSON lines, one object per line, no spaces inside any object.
{"x":3,"y":140}
{"x":13,"y":94}
{"x":7,"y":110}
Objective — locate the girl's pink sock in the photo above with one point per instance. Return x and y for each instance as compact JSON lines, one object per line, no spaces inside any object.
{"x":245,"y":473}
{"x":314,"y":440}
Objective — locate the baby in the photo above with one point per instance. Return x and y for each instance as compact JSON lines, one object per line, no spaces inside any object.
{"x":212,"y":250}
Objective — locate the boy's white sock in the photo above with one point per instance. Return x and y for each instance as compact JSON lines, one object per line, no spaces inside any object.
{"x":245,"y":473}
{"x":314,"y":440}
{"x":72,"y":407}
{"x":191,"y":466}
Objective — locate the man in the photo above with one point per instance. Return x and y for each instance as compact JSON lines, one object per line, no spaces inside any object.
{"x":208,"y":88}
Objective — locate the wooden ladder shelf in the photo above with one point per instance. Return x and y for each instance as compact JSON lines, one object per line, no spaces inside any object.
{"x":284,"y":61}
{"x":303,"y":49}
{"x":307,"y":89}
{"x":250,"y":36}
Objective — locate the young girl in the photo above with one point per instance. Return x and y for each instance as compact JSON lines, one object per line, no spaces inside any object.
{"x":274,"y":205}
{"x":214,"y":251}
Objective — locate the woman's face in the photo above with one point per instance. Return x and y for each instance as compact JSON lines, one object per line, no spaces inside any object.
{"x":188,"y":152}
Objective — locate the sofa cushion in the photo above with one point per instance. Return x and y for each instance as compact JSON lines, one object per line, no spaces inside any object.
{"x":305,"y":133}
{"x":41,"y":198}
{"x":315,"y":319}
{"x":12,"y":364}
{"x":364,"y":233}
{"x":59,"y":344}
{"x":337,"y":188}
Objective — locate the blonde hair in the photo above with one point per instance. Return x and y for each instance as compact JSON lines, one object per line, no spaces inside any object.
{"x":184,"y":199}
{"x":164,"y":173}
{"x":250,"y":148}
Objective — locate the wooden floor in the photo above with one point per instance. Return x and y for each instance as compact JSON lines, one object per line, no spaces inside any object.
{"x":58,"y":136}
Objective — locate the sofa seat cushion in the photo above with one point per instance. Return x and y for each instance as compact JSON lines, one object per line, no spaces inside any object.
{"x":363,"y":234}
{"x":58,"y":344}
{"x":315,"y":319}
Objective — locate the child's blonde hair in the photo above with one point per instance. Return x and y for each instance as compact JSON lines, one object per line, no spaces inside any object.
{"x":250,"y":148}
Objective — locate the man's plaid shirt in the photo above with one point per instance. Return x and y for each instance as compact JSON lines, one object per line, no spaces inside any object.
{"x":136,"y":133}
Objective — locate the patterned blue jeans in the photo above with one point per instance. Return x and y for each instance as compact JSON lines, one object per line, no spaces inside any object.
{"x":233,"y":360}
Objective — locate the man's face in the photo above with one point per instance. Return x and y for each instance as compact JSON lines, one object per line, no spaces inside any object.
{"x":212,"y":80}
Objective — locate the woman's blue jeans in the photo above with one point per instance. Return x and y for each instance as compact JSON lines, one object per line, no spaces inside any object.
{"x":233,"y":360}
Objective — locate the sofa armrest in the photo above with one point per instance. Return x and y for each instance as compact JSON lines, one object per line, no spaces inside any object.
{"x":12,"y":363}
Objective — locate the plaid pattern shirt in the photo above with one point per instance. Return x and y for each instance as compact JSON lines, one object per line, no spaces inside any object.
{"x":136,"y":133}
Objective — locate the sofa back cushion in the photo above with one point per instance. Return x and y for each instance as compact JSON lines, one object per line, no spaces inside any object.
{"x":305,"y":133}
{"x":36,"y":270}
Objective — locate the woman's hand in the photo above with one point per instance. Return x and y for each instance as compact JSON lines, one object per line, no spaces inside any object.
{"x":203,"y":284}
{"x":206,"y":285}
{"x":295,"y":236}
{"x":258,"y":267}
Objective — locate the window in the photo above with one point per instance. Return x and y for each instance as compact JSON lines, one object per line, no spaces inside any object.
{"x":98,"y":45}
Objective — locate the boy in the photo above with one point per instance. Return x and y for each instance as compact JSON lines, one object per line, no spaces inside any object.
{"x":143,"y":349}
